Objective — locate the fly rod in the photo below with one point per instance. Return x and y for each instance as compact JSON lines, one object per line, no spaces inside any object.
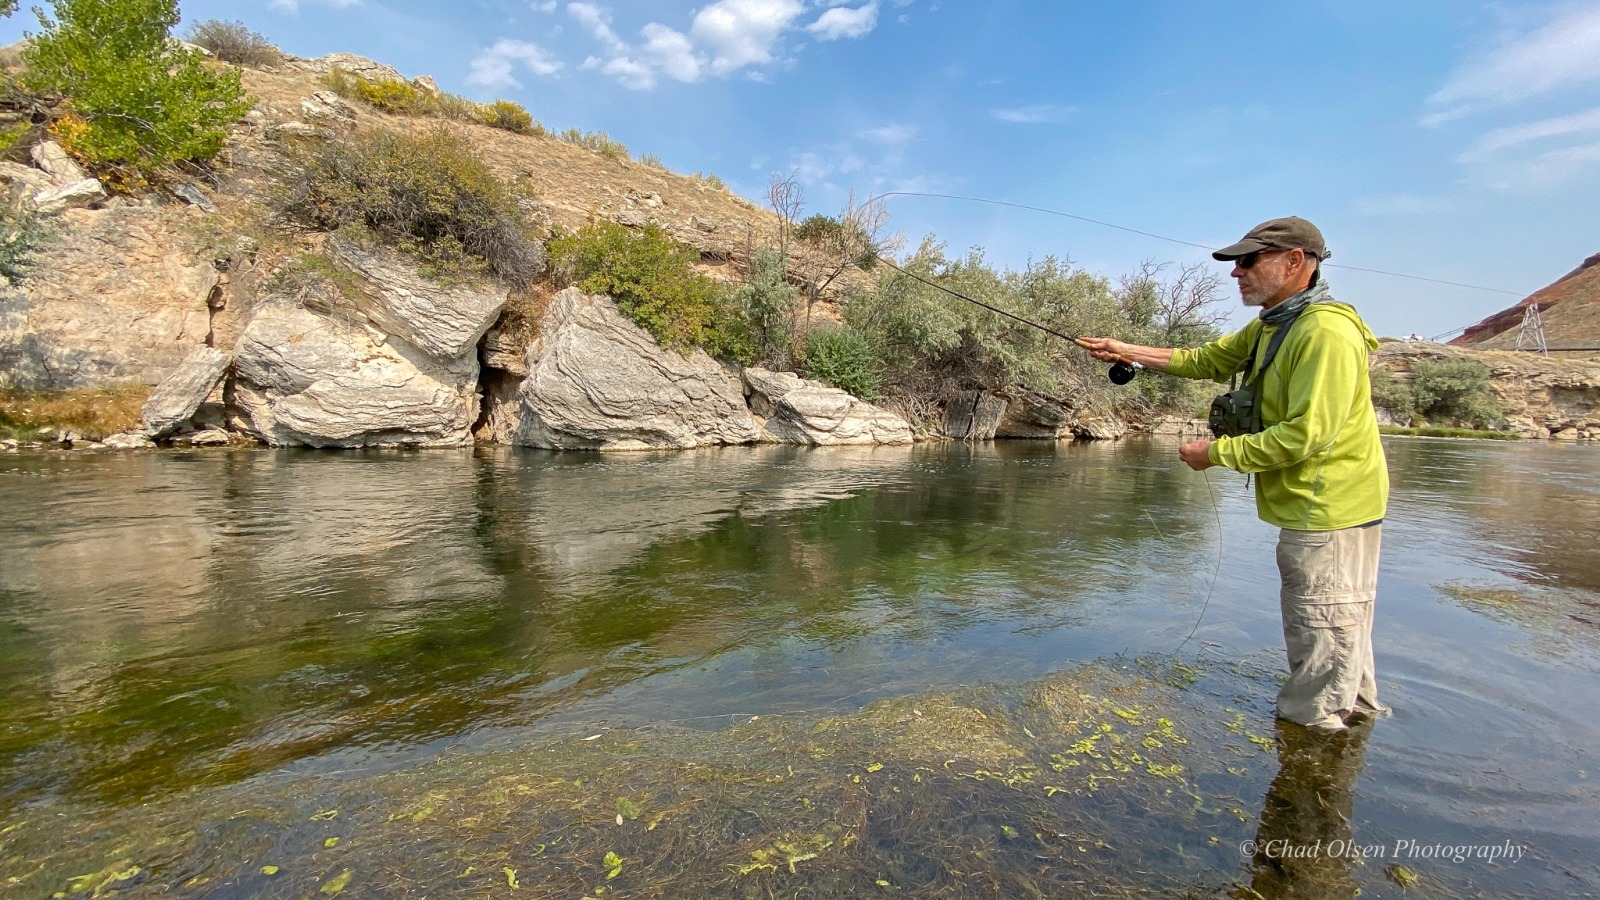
{"x":1121,"y":372}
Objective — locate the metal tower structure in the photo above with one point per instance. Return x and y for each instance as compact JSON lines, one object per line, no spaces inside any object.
{"x":1531,"y":336}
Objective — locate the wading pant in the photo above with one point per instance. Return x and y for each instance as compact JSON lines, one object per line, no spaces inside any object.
{"x":1330,"y":585}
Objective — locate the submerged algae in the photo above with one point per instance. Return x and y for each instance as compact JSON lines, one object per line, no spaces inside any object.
{"x":1080,"y":781}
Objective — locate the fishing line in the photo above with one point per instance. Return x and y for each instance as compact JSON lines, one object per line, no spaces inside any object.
{"x":1172,"y":240}
{"x":1217,"y":573}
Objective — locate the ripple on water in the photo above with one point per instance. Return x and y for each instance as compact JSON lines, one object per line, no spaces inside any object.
{"x":1464,"y":748}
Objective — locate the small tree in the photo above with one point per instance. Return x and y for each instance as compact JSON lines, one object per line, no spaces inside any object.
{"x":7,"y":7}
{"x":139,"y":102}
{"x":835,"y":246}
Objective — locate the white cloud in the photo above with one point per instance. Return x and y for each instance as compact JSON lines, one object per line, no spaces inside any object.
{"x":598,"y":20}
{"x":893,"y":134}
{"x":742,"y":32}
{"x":724,"y":37}
{"x":1037,"y":114}
{"x":845,"y":22}
{"x":1564,"y":53}
{"x":1515,"y":136}
{"x":549,"y":6}
{"x":293,"y":6}
{"x":493,"y":68}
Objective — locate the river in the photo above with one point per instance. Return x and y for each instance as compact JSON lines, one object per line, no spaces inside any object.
{"x":321,"y":636}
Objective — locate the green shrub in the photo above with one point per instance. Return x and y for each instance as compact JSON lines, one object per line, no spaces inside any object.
{"x":1454,"y":390}
{"x":21,"y":232}
{"x":233,"y":43}
{"x":429,"y":193}
{"x":598,"y":141}
{"x":508,"y":116}
{"x":140,"y":103}
{"x":769,"y":304}
{"x":393,"y":96}
{"x":653,"y":281}
{"x":843,"y":357}
{"x":450,"y":106}
{"x":818,"y":229}
{"x":653,"y":161}
{"x":710,"y":179}
{"x":1392,"y":394}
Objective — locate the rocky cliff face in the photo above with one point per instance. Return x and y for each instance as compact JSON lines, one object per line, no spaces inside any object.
{"x":111,"y":297}
{"x":1542,"y":397}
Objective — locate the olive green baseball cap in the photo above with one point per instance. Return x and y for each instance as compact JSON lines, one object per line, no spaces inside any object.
{"x":1288,"y":233}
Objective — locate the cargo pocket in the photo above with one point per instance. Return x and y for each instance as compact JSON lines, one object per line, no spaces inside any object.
{"x":1308,"y":562}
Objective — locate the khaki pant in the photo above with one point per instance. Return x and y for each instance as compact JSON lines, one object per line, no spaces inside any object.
{"x":1330,"y":586}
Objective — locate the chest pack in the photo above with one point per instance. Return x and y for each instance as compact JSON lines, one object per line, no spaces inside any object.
{"x":1238,"y":412}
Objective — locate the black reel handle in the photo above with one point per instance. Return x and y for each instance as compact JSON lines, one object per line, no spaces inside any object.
{"x":1121,"y":372}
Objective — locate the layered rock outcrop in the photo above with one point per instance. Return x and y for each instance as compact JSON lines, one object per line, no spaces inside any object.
{"x":599,"y":382}
{"x":792,"y":410}
{"x":109,"y":298}
{"x":398,"y":367}
{"x":1541,"y":397}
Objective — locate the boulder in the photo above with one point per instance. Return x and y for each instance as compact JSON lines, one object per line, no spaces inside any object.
{"x":175,"y":400}
{"x":599,"y":382}
{"x":1032,"y":415}
{"x":210,"y":437}
{"x":130,"y":440}
{"x":427,"y":85}
{"x":25,"y":181}
{"x":305,"y":379}
{"x":792,"y":410}
{"x":444,"y":322}
{"x":82,"y":194}
{"x":192,"y":195}
{"x":55,"y":162}
{"x":974,"y":416}
{"x":326,"y":106}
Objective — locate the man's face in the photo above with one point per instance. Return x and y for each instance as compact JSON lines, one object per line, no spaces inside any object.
{"x":1263,"y":274}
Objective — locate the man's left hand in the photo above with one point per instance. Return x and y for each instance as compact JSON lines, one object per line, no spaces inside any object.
{"x":1196,"y":454}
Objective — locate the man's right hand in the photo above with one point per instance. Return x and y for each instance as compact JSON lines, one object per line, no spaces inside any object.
{"x":1105,"y":349}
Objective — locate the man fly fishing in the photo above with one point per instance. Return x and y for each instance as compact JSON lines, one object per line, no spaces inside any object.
{"x":1304,"y":425}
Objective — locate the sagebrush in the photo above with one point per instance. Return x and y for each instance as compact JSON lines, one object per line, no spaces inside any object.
{"x":233,"y":42}
{"x":429,"y":193}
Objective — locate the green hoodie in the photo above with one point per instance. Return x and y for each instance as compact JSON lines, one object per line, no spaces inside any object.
{"x":1319,"y":462}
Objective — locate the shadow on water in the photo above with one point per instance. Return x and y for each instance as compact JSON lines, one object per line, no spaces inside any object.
{"x":218,"y":661}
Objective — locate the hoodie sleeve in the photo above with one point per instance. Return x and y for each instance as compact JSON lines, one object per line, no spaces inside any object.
{"x":1325,"y":374}
{"x":1218,"y":360}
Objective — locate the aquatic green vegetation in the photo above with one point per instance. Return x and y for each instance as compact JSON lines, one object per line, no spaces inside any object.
{"x":1087,"y":778}
{"x":1565,"y":615}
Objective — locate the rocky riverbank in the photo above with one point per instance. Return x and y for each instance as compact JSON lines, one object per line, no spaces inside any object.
{"x":1539,"y":396}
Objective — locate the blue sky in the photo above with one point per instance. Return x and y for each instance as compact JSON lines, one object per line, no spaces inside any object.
{"x":1440,"y":138}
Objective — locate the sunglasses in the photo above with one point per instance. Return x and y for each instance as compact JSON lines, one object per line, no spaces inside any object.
{"x":1249,"y":260}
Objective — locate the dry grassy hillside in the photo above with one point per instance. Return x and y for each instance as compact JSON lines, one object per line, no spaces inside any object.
{"x":1570,"y":308}
{"x":573,"y":184}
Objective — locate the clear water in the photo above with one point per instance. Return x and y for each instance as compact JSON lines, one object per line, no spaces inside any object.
{"x":185,"y":622}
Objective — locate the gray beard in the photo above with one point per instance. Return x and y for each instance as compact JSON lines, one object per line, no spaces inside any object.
{"x":1253,"y":299}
